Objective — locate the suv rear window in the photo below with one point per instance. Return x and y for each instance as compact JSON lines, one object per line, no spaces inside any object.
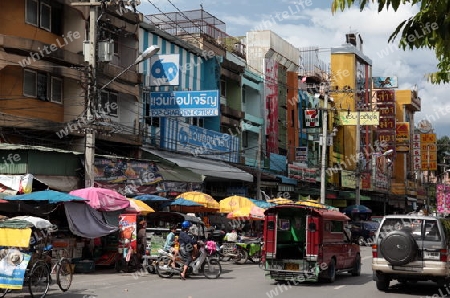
{"x":420,"y":229}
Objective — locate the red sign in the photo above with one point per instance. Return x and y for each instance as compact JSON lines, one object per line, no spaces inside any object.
{"x":385,"y":95}
{"x":312,"y":118}
{"x":271,"y":91}
{"x":386,"y":123}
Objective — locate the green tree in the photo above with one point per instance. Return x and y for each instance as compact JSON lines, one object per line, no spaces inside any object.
{"x":432,"y":14}
{"x":443,"y":154}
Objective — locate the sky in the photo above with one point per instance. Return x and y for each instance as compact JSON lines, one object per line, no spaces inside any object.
{"x":305,"y":23}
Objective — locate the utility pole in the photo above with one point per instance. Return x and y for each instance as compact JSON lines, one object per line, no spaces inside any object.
{"x":357,"y":152}
{"x":89,"y":145}
{"x":324,"y":150}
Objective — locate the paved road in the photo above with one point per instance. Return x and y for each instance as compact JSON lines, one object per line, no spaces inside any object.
{"x":237,"y":281}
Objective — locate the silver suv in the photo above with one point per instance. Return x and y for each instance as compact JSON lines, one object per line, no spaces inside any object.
{"x":411,"y":248}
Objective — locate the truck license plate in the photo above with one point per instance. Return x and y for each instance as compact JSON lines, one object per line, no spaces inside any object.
{"x":433,"y":255}
{"x":291,"y":266}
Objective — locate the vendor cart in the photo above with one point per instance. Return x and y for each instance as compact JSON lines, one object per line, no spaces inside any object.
{"x":25,"y":257}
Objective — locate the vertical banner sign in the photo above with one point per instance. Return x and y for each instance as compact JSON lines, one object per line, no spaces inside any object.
{"x":312,"y":119}
{"x":428,"y":151}
{"x":402,"y":136}
{"x":443,"y":198}
{"x":417,"y":164}
{"x":271,"y":94}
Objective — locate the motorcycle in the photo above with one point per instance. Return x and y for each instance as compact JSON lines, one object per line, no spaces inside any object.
{"x":227,"y":251}
{"x":204,"y":263}
{"x":253,"y":248}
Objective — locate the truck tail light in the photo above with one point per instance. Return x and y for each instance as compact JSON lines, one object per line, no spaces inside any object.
{"x":374,"y":251}
{"x":443,"y":255}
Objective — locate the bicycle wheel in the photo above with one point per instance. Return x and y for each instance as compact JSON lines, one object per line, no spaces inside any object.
{"x":163,"y":267}
{"x":3,"y":292}
{"x":211,"y":268}
{"x":39,"y":280}
{"x":64,"y":274}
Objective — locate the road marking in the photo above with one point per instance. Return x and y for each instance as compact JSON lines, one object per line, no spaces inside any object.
{"x":365,"y":258}
{"x":339,"y":287}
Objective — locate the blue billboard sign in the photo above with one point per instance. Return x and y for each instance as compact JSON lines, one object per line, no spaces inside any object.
{"x":185,"y":104}
{"x":182,"y":137}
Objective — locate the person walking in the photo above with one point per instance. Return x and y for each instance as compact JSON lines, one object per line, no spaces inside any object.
{"x":187,"y":244}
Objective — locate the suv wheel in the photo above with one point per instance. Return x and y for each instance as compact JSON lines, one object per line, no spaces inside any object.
{"x":398,"y":248}
{"x":356,"y":271}
{"x":383,"y":284}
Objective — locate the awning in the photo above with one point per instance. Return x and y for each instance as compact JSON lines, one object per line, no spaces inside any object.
{"x":60,"y":183}
{"x":172,"y":172}
{"x":205,"y":167}
{"x":287,"y":180}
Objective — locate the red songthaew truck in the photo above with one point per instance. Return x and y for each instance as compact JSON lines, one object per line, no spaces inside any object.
{"x":302,"y":243}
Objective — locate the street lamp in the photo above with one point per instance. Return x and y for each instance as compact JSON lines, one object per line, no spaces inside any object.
{"x":89,"y":154}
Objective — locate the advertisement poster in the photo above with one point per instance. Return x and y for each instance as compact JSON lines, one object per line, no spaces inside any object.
{"x":128,"y":177}
{"x":13,"y":265}
{"x":127,"y":232}
{"x":271,"y":94}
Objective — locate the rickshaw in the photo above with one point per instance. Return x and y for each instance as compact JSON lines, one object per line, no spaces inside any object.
{"x":24,"y":258}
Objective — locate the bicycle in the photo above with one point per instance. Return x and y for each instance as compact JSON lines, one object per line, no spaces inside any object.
{"x":63,"y":269}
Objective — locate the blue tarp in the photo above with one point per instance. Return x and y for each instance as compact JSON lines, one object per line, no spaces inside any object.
{"x":262,"y":204}
{"x":151,"y":198}
{"x":45,"y":195}
{"x":287,"y":180}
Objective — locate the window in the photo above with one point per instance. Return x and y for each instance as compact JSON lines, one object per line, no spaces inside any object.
{"x":198,"y":122}
{"x":31,"y":12}
{"x":223,"y":88}
{"x":108,"y":104}
{"x":245,"y":139}
{"x":29,"y":83}
{"x":56,"y":95}
{"x":336,"y":226}
{"x":45,"y":14}
{"x":152,"y":121}
{"x":42,"y":86}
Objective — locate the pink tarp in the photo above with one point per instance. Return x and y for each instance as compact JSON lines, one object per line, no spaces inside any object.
{"x":102,"y":199}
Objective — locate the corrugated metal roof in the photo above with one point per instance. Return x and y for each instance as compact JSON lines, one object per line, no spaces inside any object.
{"x":206,"y":167}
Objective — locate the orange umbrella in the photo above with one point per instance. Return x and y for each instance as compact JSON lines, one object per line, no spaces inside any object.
{"x":247,"y":213}
{"x":232,"y":203}
{"x":201,"y":198}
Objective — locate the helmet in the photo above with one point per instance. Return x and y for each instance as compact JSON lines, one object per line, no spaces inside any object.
{"x":186,"y":224}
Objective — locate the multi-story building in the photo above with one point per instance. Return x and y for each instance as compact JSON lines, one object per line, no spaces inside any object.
{"x":350,"y":87}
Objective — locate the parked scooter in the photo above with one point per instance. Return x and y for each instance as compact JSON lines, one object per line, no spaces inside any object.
{"x":210,"y":267}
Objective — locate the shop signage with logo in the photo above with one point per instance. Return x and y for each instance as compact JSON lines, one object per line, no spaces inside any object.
{"x":312,"y":119}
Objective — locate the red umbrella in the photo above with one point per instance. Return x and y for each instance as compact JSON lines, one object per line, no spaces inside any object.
{"x":3,"y":201}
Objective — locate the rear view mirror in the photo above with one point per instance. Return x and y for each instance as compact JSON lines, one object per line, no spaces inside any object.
{"x":312,"y":227}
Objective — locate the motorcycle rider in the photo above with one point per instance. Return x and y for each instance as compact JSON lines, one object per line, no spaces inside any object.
{"x":187,"y":244}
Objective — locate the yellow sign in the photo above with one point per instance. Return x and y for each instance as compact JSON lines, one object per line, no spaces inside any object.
{"x":402,"y":132}
{"x":424,"y":156}
{"x":427,"y":138}
{"x":431,"y":166}
{"x":365,"y":118}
